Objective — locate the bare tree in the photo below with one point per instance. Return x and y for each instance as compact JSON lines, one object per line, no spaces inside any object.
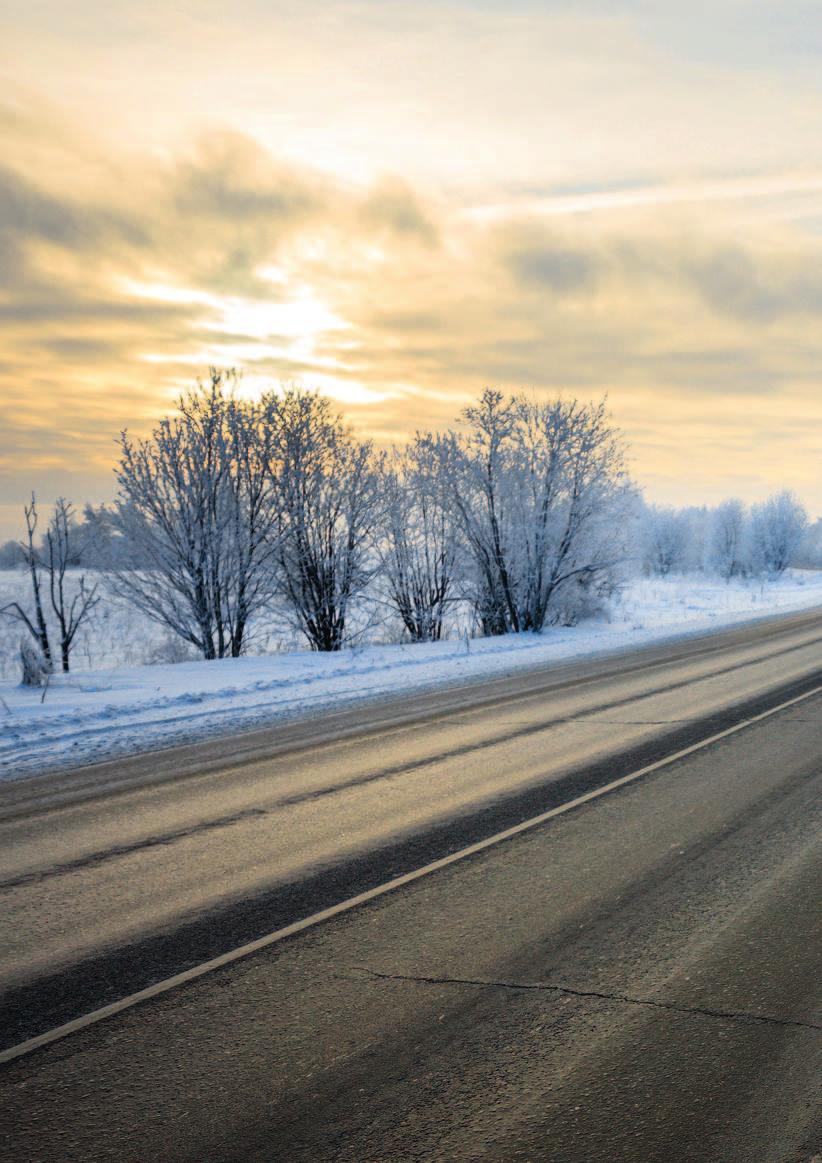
{"x":197,"y":504}
{"x":418,"y":547}
{"x":49,"y":566}
{"x":34,"y":622}
{"x":70,"y":612}
{"x":328,"y":503}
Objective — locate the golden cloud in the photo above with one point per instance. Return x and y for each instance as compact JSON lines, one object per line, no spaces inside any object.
{"x":117,"y":289}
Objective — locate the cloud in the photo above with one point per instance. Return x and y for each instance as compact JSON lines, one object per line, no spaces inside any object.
{"x":558,"y":268}
{"x":26,"y":212}
{"x":393,"y":206}
{"x":122,"y":279}
{"x":232,"y":179}
{"x":626,"y":194}
{"x":733,"y":282}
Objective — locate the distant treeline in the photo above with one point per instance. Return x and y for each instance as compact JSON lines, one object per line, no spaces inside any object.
{"x":96,"y":543}
{"x":731,"y":540}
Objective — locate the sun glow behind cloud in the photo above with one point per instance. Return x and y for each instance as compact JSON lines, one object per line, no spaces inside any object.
{"x":260,"y":330}
{"x":264,"y":331}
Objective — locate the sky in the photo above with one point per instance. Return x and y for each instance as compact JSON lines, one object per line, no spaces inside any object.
{"x":401,"y":203}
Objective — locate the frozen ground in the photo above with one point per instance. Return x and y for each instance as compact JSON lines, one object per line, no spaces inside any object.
{"x":110,"y":705}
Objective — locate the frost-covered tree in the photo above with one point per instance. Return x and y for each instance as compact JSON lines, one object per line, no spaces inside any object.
{"x":573,"y":499}
{"x":696,"y":534}
{"x":418,"y":546}
{"x":540,"y":492}
{"x":197,"y":505}
{"x":252,"y":519}
{"x":728,"y":550}
{"x":480,"y":469}
{"x":777,"y":528}
{"x":665,"y":535}
{"x":810,"y":551}
{"x":327,"y":490}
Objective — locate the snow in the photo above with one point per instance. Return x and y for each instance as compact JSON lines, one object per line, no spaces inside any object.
{"x":99,"y":712}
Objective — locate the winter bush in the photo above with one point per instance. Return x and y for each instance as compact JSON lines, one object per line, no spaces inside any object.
{"x":34,"y":668}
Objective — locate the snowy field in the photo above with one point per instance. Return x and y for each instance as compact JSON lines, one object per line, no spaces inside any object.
{"x":130,"y":689}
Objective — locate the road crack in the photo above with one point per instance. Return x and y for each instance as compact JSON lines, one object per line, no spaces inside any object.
{"x":598,"y":995}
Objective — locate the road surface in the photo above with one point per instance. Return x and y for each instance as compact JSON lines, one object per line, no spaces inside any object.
{"x":638,"y":978}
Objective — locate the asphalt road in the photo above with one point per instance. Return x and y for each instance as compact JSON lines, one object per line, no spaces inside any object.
{"x":637,"y":979}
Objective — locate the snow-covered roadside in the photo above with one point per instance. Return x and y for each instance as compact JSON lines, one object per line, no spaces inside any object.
{"x":97,"y":714}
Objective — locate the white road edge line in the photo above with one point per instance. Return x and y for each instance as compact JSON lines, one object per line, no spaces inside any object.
{"x":169,"y":983}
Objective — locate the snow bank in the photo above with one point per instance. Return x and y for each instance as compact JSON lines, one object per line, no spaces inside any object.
{"x":96,"y":714}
